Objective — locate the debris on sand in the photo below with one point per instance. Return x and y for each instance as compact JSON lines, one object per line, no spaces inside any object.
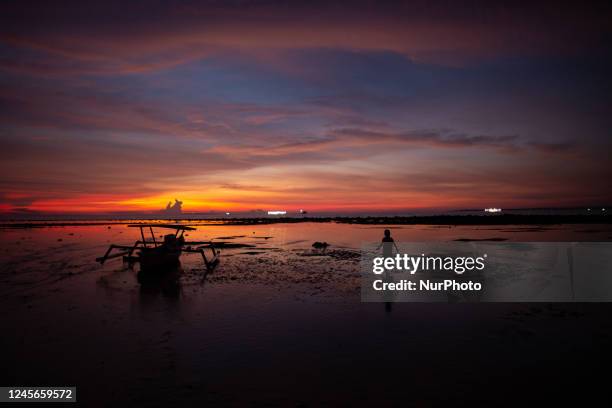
{"x":339,"y":254}
{"x":320,"y":245}
{"x":345,"y":255}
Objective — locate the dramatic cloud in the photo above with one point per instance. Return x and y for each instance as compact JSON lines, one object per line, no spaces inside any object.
{"x":138,"y":37}
{"x":115,"y":106}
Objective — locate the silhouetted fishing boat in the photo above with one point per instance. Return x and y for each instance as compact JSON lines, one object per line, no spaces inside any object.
{"x":163,"y":255}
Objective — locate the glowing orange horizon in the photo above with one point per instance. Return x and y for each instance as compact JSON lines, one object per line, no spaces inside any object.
{"x":101,"y":204}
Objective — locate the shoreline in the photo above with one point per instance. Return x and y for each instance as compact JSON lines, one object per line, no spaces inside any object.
{"x":503,"y":219}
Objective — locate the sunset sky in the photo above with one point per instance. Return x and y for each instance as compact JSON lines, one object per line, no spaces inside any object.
{"x":230,"y":106}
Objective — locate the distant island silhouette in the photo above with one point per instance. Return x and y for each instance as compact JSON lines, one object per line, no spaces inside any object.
{"x":174,"y":209}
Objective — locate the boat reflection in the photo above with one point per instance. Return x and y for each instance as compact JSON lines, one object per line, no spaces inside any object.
{"x":165,"y":282}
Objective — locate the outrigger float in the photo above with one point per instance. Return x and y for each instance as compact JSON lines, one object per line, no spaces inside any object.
{"x":159,"y":255}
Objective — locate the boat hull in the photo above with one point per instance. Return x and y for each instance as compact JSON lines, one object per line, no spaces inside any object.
{"x":159,"y":259}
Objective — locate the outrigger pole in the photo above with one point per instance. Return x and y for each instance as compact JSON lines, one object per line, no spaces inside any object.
{"x":127,"y":251}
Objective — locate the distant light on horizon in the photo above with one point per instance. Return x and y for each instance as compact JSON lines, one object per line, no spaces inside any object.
{"x":493,"y":210}
{"x":277,"y":212}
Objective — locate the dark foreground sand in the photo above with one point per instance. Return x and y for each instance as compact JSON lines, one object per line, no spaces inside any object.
{"x":280,"y":324}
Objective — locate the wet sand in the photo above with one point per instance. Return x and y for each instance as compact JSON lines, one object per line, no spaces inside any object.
{"x":279,"y":323}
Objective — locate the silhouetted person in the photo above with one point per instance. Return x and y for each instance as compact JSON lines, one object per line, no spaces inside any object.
{"x":387,"y":245}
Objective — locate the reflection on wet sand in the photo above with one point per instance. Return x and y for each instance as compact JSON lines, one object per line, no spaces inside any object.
{"x":224,"y":338}
{"x":166,"y":283}
{"x":33,"y":261}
